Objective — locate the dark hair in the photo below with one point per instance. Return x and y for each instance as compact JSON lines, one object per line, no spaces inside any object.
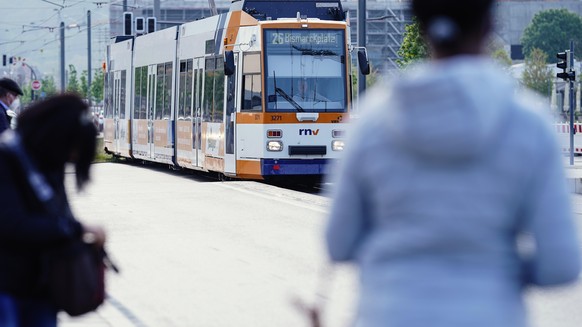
{"x":448,"y":22}
{"x":59,"y":130}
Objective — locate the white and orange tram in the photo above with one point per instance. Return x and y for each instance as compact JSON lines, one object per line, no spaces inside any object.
{"x":261,"y":91}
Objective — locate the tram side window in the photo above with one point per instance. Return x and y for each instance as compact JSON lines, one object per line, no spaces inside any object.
{"x":185,"y":90}
{"x":196,"y":88}
{"x":218,"y":90}
{"x":109,"y":112}
{"x":182,"y":90}
{"x":108,"y":95}
{"x":252,"y":92}
{"x":160,"y":92}
{"x":252,"y":88}
{"x":166,"y":113}
{"x":122,"y":94}
{"x":188,"y":92}
{"x":208,"y":101}
{"x":144,"y":93}
{"x":137,"y":95}
{"x":116,"y":98}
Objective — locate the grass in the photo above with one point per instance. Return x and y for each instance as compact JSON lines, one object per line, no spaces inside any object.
{"x":101,"y":156}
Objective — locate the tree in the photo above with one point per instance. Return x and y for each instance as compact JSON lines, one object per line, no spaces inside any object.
{"x":413,"y":46}
{"x":83,"y":89}
{"x":551,"y":31}
{"x":97,"y":86}
{"x":502,"y":57}
{"x":48,"y":86}
{"x":73,"y":82}
{"x":26,"y":98}
{"x":371,"y":79}
{"x":537,"y":76}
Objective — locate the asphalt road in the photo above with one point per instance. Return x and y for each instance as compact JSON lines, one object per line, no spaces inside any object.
{"x":197,"y":252}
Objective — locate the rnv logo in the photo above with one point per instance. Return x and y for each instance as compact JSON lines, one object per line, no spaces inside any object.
{"x":307,"y":131}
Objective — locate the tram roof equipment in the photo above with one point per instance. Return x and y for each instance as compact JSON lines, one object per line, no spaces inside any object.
{"x":275,"y":9}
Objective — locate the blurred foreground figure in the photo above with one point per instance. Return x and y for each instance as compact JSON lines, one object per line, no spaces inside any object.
{"x":50,"y":133}
{"x":452,"y":198}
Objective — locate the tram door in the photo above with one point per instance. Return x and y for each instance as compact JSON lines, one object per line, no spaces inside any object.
{"x":230,"y":120}
{"x":116,"y":109}
{"x":151,"y":107}
{"x":119,"y":112}
{"x":197,"y":116}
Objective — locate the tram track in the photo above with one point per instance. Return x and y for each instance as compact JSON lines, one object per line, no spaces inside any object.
{"x":309,"y":185}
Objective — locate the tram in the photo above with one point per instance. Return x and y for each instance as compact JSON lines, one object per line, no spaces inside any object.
{"x":262,"y":91}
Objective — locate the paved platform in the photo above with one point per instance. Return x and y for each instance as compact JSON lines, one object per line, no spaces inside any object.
{"x":106,"y":316}
{"x":574,"y":174}
{"x":114,"y":314}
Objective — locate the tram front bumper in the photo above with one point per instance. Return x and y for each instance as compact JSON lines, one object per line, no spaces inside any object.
{"x":281,"y":167}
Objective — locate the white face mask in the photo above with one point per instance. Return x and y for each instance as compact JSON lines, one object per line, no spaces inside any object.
{"x":15,"y":104}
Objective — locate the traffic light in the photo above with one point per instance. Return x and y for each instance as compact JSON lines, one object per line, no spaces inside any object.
{"x":127,"y":23}
{"x":151,"y":21}
{"x":139,"y":25}
{"x":565,"y":63}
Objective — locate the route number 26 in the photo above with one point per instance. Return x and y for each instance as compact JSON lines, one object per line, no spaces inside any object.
{"x":278,"y":38}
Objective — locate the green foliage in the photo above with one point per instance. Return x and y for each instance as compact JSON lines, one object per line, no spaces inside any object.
{"x":97,"y":86}
{"x":26,"y":98}
{"x":371,"y":80}
{"x":48,"y":86}
{"x":73,"y":82}
{"x":551,"y":31}
{"x":100,"y":154}
{"x":83,"y":88}
{"x":502,"y":57}
{"x":537,"y":76}
{"x":413,"y":46}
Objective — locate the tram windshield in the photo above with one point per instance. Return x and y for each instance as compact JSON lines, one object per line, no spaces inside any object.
{"x":305,"y":70}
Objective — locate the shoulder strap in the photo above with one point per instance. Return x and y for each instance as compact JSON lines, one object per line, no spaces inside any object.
{"x":10,"y":143}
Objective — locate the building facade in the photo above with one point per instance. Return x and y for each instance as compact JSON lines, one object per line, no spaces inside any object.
{"x":513,"y":16}
{"x":385,"y":21}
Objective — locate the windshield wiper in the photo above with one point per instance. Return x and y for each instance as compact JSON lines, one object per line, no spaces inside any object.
{"x":289,"y":99}
{"x":312,"y":52}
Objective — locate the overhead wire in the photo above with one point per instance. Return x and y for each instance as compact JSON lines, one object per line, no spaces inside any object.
{"x":45,"y":32}
{"x":80,"y":31}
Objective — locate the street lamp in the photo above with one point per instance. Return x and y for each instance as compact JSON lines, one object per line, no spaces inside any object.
{"x":62,"y":33}
{"x":32,"y":78}
{"x":361,"y":43}
{"x":62,"y":30}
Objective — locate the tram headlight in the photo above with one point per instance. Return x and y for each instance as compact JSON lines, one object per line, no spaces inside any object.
{"x":337,"y":145}
{"x":276,"y":146}
{"x":337,"y":133}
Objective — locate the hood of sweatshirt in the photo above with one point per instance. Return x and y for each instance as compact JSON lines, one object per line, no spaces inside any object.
{"x":450,"y":109}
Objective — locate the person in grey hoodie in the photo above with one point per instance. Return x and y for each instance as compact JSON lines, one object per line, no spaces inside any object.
{"x":451,"y":198}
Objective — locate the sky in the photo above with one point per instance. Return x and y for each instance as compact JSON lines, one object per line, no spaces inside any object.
{"x":29,"y":30}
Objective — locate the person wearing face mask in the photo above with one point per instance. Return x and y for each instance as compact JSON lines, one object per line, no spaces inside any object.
{"x":9,"y":92}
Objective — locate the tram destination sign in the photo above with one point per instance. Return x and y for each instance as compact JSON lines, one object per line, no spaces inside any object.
{"x":304,"y":38}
